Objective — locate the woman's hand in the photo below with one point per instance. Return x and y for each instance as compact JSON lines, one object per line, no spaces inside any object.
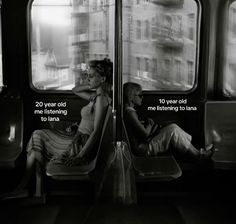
{"x":150,"y":122}
{"x":75,"y":160}
{"x":72,"y":127}
{"x":60,"y":158}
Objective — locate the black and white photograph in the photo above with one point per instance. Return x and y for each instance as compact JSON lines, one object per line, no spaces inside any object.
{"x":117,"y":111}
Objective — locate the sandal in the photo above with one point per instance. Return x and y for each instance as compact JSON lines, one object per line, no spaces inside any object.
{"x":207,"y":153}
{"x":15,"y":194}
{"x":210,"y":147}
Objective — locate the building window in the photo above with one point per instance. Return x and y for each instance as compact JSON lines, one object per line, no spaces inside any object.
{"x":190,"y":72}
{"x":154,"y":67}
{"x":191,"y":20}
{"x":138,"y":66}
{"x":138,"y":63}
{"x":146,"y":65}
{"x":138,"y":30}
{"x":95,"y":5}
{"x":95,"y":31}
{"x":178,"y":71}
{"x":167,"y":70}
{"x":154,"y":28}
{"x":100,"y":31}
{"x":234,"y":22}
{"x":147,"y":29}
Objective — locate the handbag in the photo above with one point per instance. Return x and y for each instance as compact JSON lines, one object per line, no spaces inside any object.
{"x":145,"y":148}
{"x":121,"y":175}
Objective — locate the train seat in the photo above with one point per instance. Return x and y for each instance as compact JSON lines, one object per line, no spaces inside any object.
{"x":60,"y":171}
{"x":220,"y":128}
{"x":156,"y":168}
{"x":87,"y":172}
{"x":11,"y":132}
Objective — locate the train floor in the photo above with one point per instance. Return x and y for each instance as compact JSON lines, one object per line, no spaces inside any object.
{"x":163,"y":210}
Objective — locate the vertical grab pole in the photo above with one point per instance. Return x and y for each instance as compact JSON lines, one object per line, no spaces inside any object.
{"x":117,"y":74}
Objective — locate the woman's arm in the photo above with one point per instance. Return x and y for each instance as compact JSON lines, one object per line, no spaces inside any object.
{"x":92,"y":142}
{"x":136,"y":124}
{"x":83,"y":92}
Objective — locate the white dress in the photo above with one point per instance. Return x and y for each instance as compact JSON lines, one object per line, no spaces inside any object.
{"x":170,"y":135}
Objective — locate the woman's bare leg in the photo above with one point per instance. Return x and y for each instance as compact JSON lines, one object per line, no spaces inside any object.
{"x":203,"y":153}
{"x":182,"y":142}
{"x":193,"y":151}
{"x":30,"y":166}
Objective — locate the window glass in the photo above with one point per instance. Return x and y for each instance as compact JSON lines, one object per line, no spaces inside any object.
{"x":66,"y":34}
{"x":1,"y":76}
{"x":160,"y":43}
{"x":229,"y":77}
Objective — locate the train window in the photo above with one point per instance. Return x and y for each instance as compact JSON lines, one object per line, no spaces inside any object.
{"x":160,"y":43}
{"x":1,"y":75}
{"x":229,"y":75}
{"x":65,"y":35}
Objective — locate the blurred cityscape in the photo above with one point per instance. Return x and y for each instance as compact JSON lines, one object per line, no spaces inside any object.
{"x":159,"y":41}
{"x":229,"y":77}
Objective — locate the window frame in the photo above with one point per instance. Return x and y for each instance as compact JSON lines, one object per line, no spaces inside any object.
{"x":219,"y":82}
{"x":29,"y":35}
{"x":2,"y":86}
{"x":198,"y":21}
{"x":197,"y":54}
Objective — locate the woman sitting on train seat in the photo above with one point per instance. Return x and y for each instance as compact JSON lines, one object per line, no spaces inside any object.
{"x":148,"y":138}
{"x":47,"y":144}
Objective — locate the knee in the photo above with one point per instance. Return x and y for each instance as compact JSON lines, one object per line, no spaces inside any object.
{"x":37,"y":132}
{"x":35,"y":156}
{"x":173,"y":127}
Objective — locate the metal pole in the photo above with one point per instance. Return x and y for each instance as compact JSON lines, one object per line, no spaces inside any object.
{"x":117,"y":81}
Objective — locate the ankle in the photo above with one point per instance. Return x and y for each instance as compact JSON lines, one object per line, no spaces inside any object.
{"x":206,"y":154}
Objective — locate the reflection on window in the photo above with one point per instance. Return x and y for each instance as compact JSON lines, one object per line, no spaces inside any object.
{"x":229,"y":79}
{"x":1,"y":77}
{"x":170,"y":54}
{"x":66,"y":34}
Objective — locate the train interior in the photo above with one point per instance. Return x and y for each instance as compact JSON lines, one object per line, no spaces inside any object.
{"x":180,"y":51}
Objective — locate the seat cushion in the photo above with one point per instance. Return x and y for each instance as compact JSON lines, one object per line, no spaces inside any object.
{"x":59,"y":169}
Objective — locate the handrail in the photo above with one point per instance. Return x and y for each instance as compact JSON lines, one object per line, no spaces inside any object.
{"x":117,"y":74}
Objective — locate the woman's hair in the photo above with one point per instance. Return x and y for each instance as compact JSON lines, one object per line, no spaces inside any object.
{"x":129,"y":89}
{"x":105,"y":69}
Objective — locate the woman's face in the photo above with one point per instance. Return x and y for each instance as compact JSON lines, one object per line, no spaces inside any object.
{"x":94,"y":79}
{"x":137,"y":97}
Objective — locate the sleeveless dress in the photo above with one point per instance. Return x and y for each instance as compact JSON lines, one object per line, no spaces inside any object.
{"x":51,"y":143}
